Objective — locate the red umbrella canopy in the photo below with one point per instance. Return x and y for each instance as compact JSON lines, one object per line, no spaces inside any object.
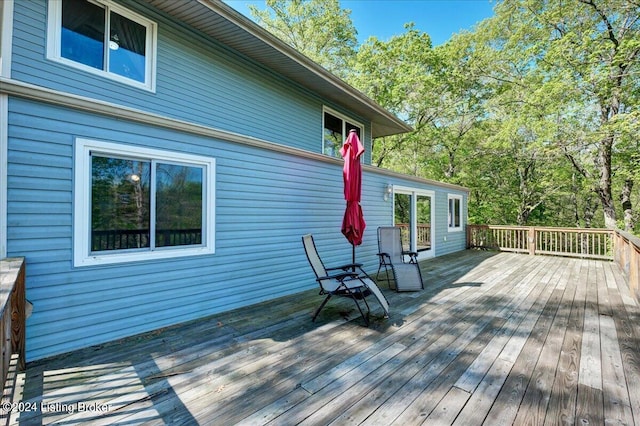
{"x":351,"y":151}
{"x":353,"y":223}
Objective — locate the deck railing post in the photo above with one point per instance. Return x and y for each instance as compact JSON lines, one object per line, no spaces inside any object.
{"x":634,"y":271}
{"x":13,"y":314}
{"x":532,"y":240}
{"x":19,"y":318}
{"x":627,"y":255}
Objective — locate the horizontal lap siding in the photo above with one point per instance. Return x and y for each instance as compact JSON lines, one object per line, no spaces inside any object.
{"x":197,"y":81}
{"x":265,"y":202}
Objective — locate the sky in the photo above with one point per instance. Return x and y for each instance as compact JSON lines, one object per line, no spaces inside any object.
{"x":386,"y":18}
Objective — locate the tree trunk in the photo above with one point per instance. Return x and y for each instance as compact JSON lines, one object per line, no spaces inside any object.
{"x":603,"y":163}
{"x":590,"y":206}
{"x":627,"y":207}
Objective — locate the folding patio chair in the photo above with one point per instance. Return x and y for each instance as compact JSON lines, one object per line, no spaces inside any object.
{"x":342,"y":281}
{"x":405,"y":276}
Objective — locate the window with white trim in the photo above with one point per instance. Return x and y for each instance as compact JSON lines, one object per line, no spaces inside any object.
{"x":455,"y":212}
{"x":336,"y":127}
{"x":137,"y":203}
{"x":104,"y":38}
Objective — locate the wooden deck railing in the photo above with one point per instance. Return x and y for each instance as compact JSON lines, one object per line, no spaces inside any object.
{"x":575,"y":242}
{"x":12,"y":314}
{"x":627,"y":255}
{"x":423,"y":236}
{"x":115,"y":239}
{"x":610,"y":244}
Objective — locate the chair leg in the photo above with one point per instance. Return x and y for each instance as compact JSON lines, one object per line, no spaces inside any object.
{"x":324,"y":302}
{"x":386,"y":273}
{"x":353,"y":296}
{"x":386,"y":270}
{"x":364,"y":317}
{"x":379,"y":268}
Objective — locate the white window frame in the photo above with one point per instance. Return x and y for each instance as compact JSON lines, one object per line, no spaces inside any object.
{"x":344,"y":119}
{"x":450,"y":222}
{"x":4,"y":151}
{"x":82,"y":204}
{"x":54,"y":34}
{"x":6,"y":37}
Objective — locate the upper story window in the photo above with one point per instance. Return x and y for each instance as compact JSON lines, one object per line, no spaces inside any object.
{"x":455,"y":212}
{"x":336,"y":128}
{"x":104,"y":38}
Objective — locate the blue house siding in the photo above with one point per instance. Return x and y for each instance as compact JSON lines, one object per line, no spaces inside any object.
{"x":265,"y":201}
{"x":272,"y":184}
{"x":197,"y":80}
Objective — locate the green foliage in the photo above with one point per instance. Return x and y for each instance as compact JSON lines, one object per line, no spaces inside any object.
{"x":319,"y":29}
{"x":535,"y":110}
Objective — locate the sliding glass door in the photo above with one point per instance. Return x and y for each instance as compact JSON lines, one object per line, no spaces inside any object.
{"x":413,"y":213}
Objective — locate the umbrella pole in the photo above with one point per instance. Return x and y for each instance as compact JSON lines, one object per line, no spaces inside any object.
{"x":353,"y":255}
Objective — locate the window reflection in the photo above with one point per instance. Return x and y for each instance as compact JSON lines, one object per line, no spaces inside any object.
{"x":335,"y":133}
{"x":84,"y":39}
{"x":454,"y":213}
{"x":402,"y":218}
{"x":332,"y":135}
{"x":122,"y":193}
{"x":127,"y":48}
{"x":120,"y":203}
{"x":412,"y":214}
{"x":178,"y":205}
{"x":83,"y":33}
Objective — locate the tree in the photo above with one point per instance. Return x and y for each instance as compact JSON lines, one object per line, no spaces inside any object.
{"x":422,"y":85}
{"x":535,"y":110}
{"x":320,"y":29}
{"x":590,"y":50}
{"x":398,"y":74}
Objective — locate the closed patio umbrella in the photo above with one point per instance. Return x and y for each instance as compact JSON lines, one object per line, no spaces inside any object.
{"x":353,"y":223}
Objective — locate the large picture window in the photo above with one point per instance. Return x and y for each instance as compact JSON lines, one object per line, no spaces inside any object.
{"x":102,"y":37}
{"x":134,"y":203}
{"x":336,"y":128}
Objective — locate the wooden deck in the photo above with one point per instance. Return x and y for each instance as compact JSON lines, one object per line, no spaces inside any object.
{"x":496,"y":339}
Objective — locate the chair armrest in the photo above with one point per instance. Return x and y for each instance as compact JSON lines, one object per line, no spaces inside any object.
{"x":412,"y":254}
{"x":345,"y":267}
{"x":341,"y":276}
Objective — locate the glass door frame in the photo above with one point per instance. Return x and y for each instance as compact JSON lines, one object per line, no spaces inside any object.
{"x":414,"y":193}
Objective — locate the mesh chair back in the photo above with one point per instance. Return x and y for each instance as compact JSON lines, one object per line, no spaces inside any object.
{"x":390,"y":241}
{"x":312,"y":255}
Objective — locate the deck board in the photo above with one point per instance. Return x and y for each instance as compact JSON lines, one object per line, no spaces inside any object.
{"x":495,"y":338}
